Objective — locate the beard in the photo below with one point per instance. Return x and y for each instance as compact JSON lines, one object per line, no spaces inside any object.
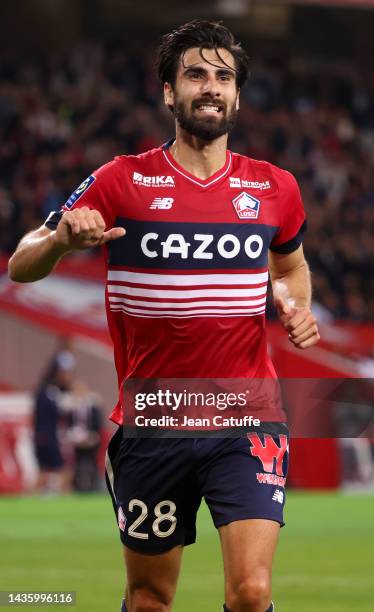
{"x":205,"y":128}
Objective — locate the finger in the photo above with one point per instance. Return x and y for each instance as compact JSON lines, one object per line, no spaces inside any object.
{"x":310,"y":342}
{"x":299,"y":317}
{"x":83,"y":220}
{"x":99,"y":219}
{"x":97,"y":224}
{"x":92,"y":225}
{"x":304,"y":336}
{"x":95,"y":234}
{"x":73,"y":222}
{"x":304,"y":326}
{"x":113,"y":234}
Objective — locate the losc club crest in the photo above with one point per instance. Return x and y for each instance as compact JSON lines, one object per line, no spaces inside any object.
{"x":246,"y":206}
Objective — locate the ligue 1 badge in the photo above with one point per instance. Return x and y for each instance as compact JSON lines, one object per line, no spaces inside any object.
{"x":246,"y":206}
{"x":80,"y":191}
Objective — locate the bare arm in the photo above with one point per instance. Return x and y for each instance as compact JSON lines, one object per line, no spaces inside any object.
{"x":39,"y":251}
{"x":292,"y":292}
{"x":35,"y":256}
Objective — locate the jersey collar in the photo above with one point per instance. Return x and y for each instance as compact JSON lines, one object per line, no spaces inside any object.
{"x":211,"y":180}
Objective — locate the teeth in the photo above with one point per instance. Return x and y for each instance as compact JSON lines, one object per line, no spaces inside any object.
{"x":208,"y":108}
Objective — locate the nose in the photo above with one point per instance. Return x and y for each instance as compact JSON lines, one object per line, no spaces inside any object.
{"x":210,"y":86}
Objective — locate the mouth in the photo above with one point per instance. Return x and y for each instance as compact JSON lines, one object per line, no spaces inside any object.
{"x":209,"y":109}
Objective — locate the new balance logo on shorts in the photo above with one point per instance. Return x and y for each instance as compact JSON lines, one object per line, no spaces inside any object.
{"x":278,"y":496}
{"x":162,"y":203}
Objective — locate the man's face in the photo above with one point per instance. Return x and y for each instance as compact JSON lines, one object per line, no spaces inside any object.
{"x":205,"y":97}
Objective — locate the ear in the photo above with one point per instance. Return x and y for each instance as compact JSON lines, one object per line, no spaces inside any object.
{"x":168,"y":94}
{"x":237,"y":102}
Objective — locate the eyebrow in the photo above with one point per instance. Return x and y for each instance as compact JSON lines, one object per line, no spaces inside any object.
{"x":200,"y":70}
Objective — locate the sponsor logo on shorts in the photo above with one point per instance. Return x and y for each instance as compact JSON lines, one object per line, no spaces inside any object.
{"x":80,"y":191}
{"x":121,"y":519}
{"x":162,"y":204}
{"x":278,"y":496}
{"x":238,"y":183}
{"x":246,"y":206}
{"x":269,"y":452}
{"x":271,"y":479}
{"x":153,"y":181}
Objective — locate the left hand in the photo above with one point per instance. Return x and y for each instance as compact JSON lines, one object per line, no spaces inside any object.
{"x":299,"y":322}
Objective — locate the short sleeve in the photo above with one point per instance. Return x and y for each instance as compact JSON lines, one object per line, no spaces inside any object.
{"x":292,"y":216}
{"x":100,"y":191}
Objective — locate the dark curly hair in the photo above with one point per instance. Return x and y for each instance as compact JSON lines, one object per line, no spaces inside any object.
{"x":204,"y":35}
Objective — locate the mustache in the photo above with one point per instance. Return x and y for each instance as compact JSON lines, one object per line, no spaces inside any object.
{"x":221,"y":105}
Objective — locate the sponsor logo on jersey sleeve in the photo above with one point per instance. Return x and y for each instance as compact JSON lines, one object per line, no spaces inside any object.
{"x":80,"y":191}
{"x":162,"y":204}
{"x":238,"y":183}
{"x":153,"y":181}
{"x":246,"y":206}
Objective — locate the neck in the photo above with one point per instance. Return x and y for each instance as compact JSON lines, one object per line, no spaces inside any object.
{"x":199,"y":157}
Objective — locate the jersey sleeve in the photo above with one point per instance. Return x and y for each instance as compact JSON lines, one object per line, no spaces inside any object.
{"x":100,"y":191}
{"x":292,"y":217}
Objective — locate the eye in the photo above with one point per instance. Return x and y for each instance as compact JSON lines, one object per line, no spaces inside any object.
{"x":225,"y":77}
{"x":195,"y":75}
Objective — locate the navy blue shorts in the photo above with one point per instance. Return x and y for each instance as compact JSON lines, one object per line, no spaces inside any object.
{"x":157,"y":484}
{"x":49,"y":457}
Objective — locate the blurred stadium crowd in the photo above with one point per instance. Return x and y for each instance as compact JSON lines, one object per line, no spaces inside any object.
{"x":62,"y":117}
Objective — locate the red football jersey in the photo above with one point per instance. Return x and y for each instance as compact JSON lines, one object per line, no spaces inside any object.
{"x":186,"y":286}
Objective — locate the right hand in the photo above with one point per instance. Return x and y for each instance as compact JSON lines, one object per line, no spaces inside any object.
{"x":84,"y":228}
{"x":298,"y":321}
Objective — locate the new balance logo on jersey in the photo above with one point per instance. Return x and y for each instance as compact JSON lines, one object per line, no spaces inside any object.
{"x":246,"y":206}
{"x":162,"y":203}
{"x":278,"y":496}
{"x":238,"y":183}
{"x":152,"y":181}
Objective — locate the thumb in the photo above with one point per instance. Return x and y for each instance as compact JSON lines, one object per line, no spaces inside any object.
{"x":113,"y":234}
{"x":282,"y":305}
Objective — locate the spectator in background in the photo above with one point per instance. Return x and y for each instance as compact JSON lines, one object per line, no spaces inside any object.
{"x":57,"y":381}
{"x":84,"y":434}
